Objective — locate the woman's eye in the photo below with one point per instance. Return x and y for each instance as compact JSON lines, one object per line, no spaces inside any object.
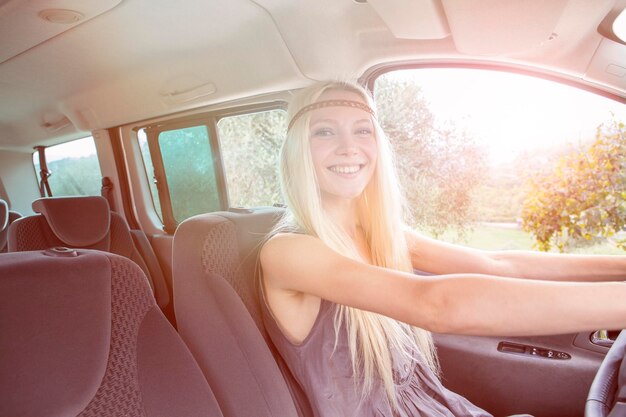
{"x":364,"y":132}
{"x":323,"y":132}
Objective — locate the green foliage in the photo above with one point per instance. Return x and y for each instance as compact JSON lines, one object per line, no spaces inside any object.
{"x":498,"y":199}
{"x":250,"y":146}
{"x":583,"y":197}
{"x":439,"y":166}
{"x":492,"y":236}
{"x":75,"y":176}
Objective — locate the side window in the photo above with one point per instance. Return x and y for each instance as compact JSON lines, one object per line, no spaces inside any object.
{"x":497,"y":160}
{"x":250,"y":145}
{"x":74,"y":168}
{"x":212,"y":162}
{"x":187,"y":175}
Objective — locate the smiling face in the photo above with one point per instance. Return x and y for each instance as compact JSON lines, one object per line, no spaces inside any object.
{"x":343,"y":147}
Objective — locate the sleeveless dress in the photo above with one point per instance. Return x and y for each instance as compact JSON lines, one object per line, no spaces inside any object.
{"x":324,"y":370}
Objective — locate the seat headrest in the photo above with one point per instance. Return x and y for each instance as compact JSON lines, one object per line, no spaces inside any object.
{"x":4,"y":215}
{"x":56,"y":345}
{"x":76,"y":221}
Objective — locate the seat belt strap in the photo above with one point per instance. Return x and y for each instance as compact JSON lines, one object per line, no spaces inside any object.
{"x":107,"y":192}
{"x":44,"y":174}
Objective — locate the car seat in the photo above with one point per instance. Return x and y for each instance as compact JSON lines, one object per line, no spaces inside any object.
{"x":82,"y":222}
{"x":219,"y":317}
{"x":83,"y":336}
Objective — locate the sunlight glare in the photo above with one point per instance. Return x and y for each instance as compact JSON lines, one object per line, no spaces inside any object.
{"x":510,"y":113}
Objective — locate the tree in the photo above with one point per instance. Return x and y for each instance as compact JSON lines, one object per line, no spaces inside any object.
{"x":75,"y":176}
{"x":583,"y":197}
{"x":439,"y":165}
{"x":250,"y":145}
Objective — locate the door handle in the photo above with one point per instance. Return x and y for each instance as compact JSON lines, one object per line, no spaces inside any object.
{"x":604,"y":338}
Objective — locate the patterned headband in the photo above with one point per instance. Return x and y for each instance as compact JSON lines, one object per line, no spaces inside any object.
{"x":331,"y":103}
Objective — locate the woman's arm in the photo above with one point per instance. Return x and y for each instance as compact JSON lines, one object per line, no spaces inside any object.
{"x":443,"y":258}
{"x":462,"y":303}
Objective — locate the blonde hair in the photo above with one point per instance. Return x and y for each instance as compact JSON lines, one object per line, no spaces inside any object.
{"x":371,"y":337}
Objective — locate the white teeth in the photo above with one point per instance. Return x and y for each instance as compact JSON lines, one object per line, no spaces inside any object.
{"x":345,"y":169}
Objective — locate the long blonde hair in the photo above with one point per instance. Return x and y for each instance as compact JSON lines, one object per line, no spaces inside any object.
{"x":371,"y":337}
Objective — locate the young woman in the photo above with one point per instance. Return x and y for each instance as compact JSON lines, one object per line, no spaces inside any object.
{"x":342,"y":304}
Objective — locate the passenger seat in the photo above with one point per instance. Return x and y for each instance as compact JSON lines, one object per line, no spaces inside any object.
{"x":83,"y":336}
{"x":82,"y":222}
{"x":218,"y":313}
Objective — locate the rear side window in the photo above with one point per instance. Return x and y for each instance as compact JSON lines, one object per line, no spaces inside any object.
{"x":190,"y":171}
{"x":184,"y":172}
{"x":214,"y":161}
{"x":74,"y":168}
{"x":250,"y":145}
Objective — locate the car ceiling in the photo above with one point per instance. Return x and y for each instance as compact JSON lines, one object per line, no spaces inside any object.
{"x":121,"y":61}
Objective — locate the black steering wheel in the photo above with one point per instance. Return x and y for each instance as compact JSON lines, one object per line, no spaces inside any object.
{"x":607,"y":395}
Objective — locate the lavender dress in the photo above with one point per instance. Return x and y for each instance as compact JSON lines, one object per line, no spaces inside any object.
{"x":326,"y":377}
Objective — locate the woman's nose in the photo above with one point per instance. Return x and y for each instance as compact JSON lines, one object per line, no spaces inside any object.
{"x":347,"y":144}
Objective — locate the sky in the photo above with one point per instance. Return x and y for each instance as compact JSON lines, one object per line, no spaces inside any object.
{"x":511,"y":112}
{"x":74,"y":149}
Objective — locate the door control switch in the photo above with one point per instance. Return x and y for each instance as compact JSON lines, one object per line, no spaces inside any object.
{"x":520,"y":349}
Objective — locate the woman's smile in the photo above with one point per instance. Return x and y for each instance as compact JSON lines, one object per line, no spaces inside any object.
{"x":347,"y":171}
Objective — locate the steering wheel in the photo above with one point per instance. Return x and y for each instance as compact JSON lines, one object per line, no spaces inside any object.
{"x":607,"y":395}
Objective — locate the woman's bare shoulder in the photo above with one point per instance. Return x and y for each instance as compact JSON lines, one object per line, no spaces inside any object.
{"x":278,"y":243}
{"x":287,"y":251}
{"x":303,"y":263}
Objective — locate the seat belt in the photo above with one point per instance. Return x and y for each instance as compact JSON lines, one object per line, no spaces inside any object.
{"x":44,"y":173}
{"x":107,"y":192}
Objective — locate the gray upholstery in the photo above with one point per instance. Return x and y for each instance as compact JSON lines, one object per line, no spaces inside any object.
{"x":82,"y":336}
{"x":218,"y":314}
{"x":4,"y":214}
{"x":81,"y":222}
{"x":7,"y":217}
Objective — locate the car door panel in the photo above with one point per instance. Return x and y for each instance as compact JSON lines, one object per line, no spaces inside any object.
{"x":508,"y":383}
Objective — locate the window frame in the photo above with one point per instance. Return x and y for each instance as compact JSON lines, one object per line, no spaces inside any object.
{"x":370,"y":77}
{"x":43,"y":185}
{"x":209,"y":120}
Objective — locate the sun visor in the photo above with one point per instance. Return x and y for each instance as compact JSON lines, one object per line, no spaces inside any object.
{"x":408,"y":19}
{"x":495,"y":27}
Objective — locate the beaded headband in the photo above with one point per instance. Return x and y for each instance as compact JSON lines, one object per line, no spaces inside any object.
{"x":331,"y":103}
